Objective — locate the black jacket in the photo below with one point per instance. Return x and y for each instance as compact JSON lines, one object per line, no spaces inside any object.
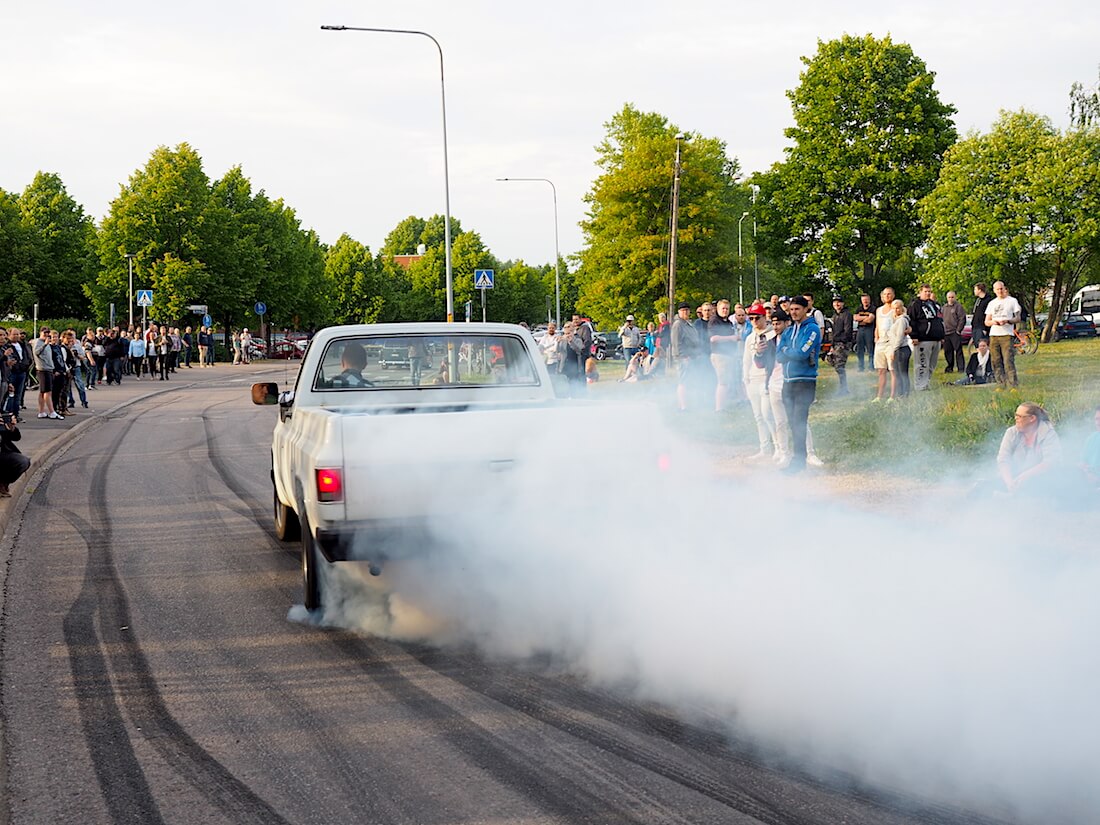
{"x":117,"y":347}
{"x":843,"y":328}
{"x":8,"y":439}
{"x":927,"y":320}
{"x":978,"y":321}
{"x":976,"y":374}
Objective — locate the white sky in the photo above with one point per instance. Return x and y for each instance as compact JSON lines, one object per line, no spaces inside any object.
{"x":345,"y":126}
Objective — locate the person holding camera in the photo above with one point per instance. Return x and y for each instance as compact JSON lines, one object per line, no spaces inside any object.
{"x":13,"y":463}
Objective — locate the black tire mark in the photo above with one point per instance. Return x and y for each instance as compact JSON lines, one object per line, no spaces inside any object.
{"x":550,"y":702}
{"x":102,"y":593}
{"x":552,"y":791}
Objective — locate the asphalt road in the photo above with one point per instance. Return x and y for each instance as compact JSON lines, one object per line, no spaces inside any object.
{"x":150,"y":674}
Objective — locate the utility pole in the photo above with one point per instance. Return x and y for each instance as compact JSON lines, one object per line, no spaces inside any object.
{"x":130,"y":265}
{"x":755,"y":259}
{"x":672,"y":241}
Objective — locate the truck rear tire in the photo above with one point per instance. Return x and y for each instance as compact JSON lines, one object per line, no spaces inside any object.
{"x":311,"y":573}
{"x":287,"y":526}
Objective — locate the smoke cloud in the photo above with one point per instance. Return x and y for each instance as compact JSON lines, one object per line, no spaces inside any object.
{"x":955,"y":660}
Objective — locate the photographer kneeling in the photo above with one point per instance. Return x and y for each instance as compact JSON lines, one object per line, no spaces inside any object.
{"x":13,"y":463}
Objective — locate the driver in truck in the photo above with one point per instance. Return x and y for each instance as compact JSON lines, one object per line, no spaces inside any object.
{"x":353,"y":360}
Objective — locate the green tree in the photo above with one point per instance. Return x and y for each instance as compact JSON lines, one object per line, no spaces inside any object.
{"x":357,"y":283}
{"x":64,"y":238}
{"x":869,"y":138}
{"x":1084,"y":105}
{"x":1019,"y":204}
{"x":162,"y":211}
{"x":17,"y":259}
{"x":624,"y":264}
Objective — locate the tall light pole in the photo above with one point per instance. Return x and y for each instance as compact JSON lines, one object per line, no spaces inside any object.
{"x":755,"y":259}
{"x":557,"y":254}
{"x":675,"y":222}
{"x":740,"y":271}
{"x":446,"y":170}
{"x":129,"y":256}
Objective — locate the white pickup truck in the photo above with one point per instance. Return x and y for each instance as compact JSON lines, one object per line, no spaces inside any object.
{"x":391,"y":428}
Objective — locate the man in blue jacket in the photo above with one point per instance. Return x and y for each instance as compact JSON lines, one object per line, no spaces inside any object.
{"x":798,"y":351}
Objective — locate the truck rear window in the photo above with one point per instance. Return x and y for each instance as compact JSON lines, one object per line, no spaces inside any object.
{"x":410,"y":361}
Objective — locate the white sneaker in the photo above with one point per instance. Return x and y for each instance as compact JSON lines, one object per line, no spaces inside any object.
{"x":759,"y":456}
{"x":43,"y":415}
{"x":784,"y":462}
{"x":55,"y":415}
{"x":813,"y":461}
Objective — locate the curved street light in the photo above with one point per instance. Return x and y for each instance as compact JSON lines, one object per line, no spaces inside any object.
{"x":446,"y":171}
{"x":557,"y":254}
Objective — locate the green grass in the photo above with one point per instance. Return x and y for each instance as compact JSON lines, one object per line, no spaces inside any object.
{"x":959,"y":424}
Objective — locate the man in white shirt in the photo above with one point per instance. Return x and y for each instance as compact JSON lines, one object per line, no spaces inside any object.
{"x":1001,"y":317}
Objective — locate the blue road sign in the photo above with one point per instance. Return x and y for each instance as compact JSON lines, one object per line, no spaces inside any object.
{"x":261,"y":308}
{"x":483,"y":278}
{"x":207,"y":321}
{"x":145,"y":297}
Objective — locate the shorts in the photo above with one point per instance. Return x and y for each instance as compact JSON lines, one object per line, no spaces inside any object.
{"x":45,"y":382}
{"x":685,"y":369}
{"x":883,"y":358}
{"x":723,"y":368}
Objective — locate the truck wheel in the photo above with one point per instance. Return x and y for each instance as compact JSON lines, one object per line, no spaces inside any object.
{"x":311,"y":574}
{"x":287,"y":526}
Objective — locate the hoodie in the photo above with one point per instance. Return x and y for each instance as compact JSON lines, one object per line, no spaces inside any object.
{"x":798,"y":350}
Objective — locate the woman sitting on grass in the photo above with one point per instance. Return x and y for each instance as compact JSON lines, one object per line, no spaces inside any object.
{"x":1030,"y":450}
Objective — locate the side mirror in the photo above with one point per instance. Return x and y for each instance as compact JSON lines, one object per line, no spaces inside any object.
{"x":265,"y":394}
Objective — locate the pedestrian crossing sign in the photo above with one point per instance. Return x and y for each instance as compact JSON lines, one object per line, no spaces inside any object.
{"x":145,"y":297}
{"x":483,"y":278}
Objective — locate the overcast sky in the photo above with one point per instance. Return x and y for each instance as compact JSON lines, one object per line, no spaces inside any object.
{"x":346,"y":127}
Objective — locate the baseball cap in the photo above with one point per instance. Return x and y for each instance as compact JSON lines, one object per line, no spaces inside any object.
{"x":683,"y":305}
{"x":757,"y":309}
{"x":630,"y":317}
{"x":780,"y":315}
{"x":798,"y":300}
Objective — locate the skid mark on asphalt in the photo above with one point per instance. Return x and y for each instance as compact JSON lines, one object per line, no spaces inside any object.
{"x":114,"y":649}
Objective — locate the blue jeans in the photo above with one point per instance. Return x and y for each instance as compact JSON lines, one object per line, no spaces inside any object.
{"x":114,"y":370}
{"x":12,"y":402}
{"x":77,"y":377}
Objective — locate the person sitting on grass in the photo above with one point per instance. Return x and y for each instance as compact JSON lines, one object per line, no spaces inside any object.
{"x":639,"y":367}
{"x":979,"y":370}
{"x":1030,"y":451}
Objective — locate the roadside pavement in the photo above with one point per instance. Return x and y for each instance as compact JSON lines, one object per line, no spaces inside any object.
{"x":43,"y":437}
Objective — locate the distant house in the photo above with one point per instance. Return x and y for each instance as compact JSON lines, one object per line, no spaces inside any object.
{"x":405,"y":261}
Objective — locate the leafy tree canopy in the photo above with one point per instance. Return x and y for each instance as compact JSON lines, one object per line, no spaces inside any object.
{"x":869,"y":138}
{"x":624,"y":267}
{"x":1019,"y":204}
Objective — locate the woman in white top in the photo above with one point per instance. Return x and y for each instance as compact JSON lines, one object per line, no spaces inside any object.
{"x":898,"y":352}
{"x":1029,"y":451}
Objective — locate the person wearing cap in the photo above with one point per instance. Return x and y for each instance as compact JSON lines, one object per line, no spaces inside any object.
{"x":780,"y":320}
{"x":758,"y":363}
{"x":843,"y":336}
{"x":798,"y":351}
{"x":631,"y":337}
{"x":687,"y":351}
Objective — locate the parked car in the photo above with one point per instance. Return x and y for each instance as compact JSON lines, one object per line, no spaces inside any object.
{"x":394,"y":358}
{"x":287,"y":350}
{"x":1075,"y":326}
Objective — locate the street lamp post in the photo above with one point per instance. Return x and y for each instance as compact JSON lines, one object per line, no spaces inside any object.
{"x":446,"y":170}
{"x":129,"y":256}
{"x":557,"y":254}
{"x":755,"y":259}
{"x":740,"y":271}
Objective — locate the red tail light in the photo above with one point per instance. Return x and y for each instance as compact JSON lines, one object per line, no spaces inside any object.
{"x":330,"y":485}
